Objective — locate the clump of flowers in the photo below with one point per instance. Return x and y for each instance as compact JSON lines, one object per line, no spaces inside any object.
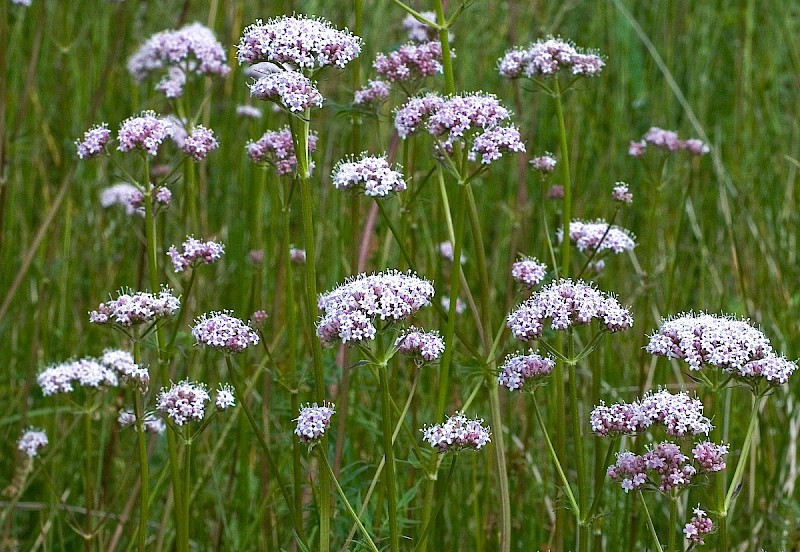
{"x":667,"y":140}
{"x":375,"y":92}
{"x":699,"y":526}
{"x":195,"y":252}
{"x":123,"y":194}
{"x":446,"y":251}
{"x":289,"y":89}
{"x":545,"y":58}
{"x":224,"y":399}
{"x":410,"y":62}
{"x":94,"y":141}
{"x":130,"y":372}
{"x":519,"y":369}
{"x":678,"y":413}
{"x":419,"y":31}
{"x":199,"y":143}
{"x":567,"y":304}
{"x":544,"y":163}
{"x":457,"y":433}
{"x":528,"y":271}
{"x":297,"y":256}
{"x":32,"y":441}
{"x":600,"y":236}
{"x":276,"y":148}
{"x":85,"y":372}
{"x":132,"y":309}
{"x":621,"y":193}
{"x":183,"y":402}
{"x":351,"y":309}
{"x":220,"y":330}
{"x":372,"y":174}
{"x":491,"y":145}
{"x":192,"y":49}
{"x":412,"y":115}
{"x":145,"y":131}
{"x":150,"y":423}
{"x":301,"y":41}
{"x":313,"y":421}
{"x":426,"y":346}
{"x":736,"y":347}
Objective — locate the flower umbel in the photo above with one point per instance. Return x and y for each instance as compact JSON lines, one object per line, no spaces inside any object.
{"x":518,"y":369}
{"x":183,"y":402}
{"x":220,"y":330}
{"x":371,"y":174}
{"x":457,"y":433}
{"x":425,"y":346}
{"x":195,"y":252}
{"x":276,"y":148}
{"x":137,"y":308}
{"x":94,"y":141}
{"x":32,"y":441}
{"x":313,"y":421}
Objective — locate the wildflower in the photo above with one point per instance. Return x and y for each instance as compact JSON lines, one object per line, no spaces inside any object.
{"x":297,"y":256}
{"x":427,"y":346}
{"x":636,"y":149}
{"x":528,"y":271}
{"x":313,"y":421}
{"x":373,"y":174}
{"x":414,"y":113}
{"x":678,"y":413}
{"x":519,"y":368}
{"x":446,"y":251}
{"x":667,"y":140}
{"x":94,"y":141}
{"x":672,"y":470}
{"x":248,"y":112}
{"x":123,"y":194}
{"x":276,"y":148}
{"x":146,"y":131}
{"x":419,"y":31}
{"x":621,"y":193}
{"x":191,"y":49}
{"x":289,"y":89}
{"x":458,"y":115}
{"x":133,"y":309}
{"x":161,"y":196}
{"x":410,"y":62}
{"x":710,"y":456}
{"x":556,"y":191}
{"x":122,"y":363}
{"x":150,"y":423}
{"x":220,"y":330}
{"x":374,"y":93}
{"x":304,"y":42}
{"x":183,"y":402}
{"x":723,"y":342}
{"x":629,"y":471}
{"x":32,"y":441}
{"x":598,"y":235}
{"x":85,"y":372}
{"x":546,"y":57}
{"x":351,"y":308}
{"x":544,"y":163}
{"x":491,"y":144}
{"x":698,"y":526}
{"x":256,"y":256}
{"x":199,"y":143}
{"x":195,"y":252}
{"x":461,"y":306}
{"x":225,"y":398}
{"x":457,"y":433}
{"x":259,"y":317}
{"x":566,"y":304}
{"x":25,"y":3}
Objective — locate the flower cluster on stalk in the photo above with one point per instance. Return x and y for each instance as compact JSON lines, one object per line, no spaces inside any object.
{"x":528,"y":271}
{"x":220,"y":330}
{"x":545,"y":58}
{"x":457,"y":433}
{"x":194,"y":252}
{"x":132,"y":309}
{"x":521,"y":369}
{"x":599,"y":236}
{"x":424,"y":346}
{"x":32,"y":441}
{"x":313,"y":421}
{"x":666,"y":140}
{"x":371,"y":174}
{"x":276,"y":148}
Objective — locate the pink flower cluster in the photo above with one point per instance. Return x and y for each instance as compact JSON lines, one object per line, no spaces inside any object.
{"x":518,"y":369}
{"x":31,"y":442}
{"x":374,"y":93}
{"x":123,"y":194}
{"x":546,"y":57}
{"x":137,"y":308}
{"x":225,"y":398}
{"x":427,"y":346}
{"x":183,"y":402}
{"x":351,"y":309}
{"x":199,"y":143}
{"x":414,"y":114}
{"x":304,"y":42}
{"x":679,"y":414}
{"x":621,"y":193}
{"x":289,"y":89}
{"x":459,"y":115}
{"x":457,"y":433}
{"x":667,"y":140}
{"x":528,"y":271}
{"x":544,"y":163}
{"x":191,"y":49}
{"x":566,"y":304}
{"x":727,"y":343}
{"x":313,"y":421}
{"x":494,"y":142}
{"x":220,"y":330}
{"x":195,"y":252}
{"x":371,"y":174}
{"x":94,"y":141}
{"x":130,"y":372}
{"x":699,"y":526}
{"x":85,"y":372}
{"x":276,"y":148}
{"x":669,"y":469}
{"x":597,"y":235}
{"x":146,"y":132}
{"x":410,"y":62}
{"x":418,"y":31}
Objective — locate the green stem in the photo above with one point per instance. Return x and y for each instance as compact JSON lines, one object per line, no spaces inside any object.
{"x":191,"y":194}
{"x":439,"y":504}
{"x":447,"y":58}
{"x":743,"y":456}
{"x":650,"y":523}
{"x":673,"y":523}
{"x":577,"y":440}
{"x":388,"y":449}
{"x":598,"y":487}
{"x":324,"y":457}
{"x":398,"y":237}
{"x":88,"y":487}
{"x":187,"y":291}
{"x":144,"y":497}
{"x":719,"y":478}
{"x":187,"y":491}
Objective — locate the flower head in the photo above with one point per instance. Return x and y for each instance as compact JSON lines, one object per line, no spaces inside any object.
{"x":123,"y":194}
{"x":224,"y":399}
{"x":414,"y":113}
{"x":699,"y":526}
{"x":122,"y":363}
{"x":667,"y":140}
{"x":458,"y":115}
{"x":493,"y":143}
{"x":183,"y":402}
{"x":418,"y":31}
{"x":276,"y":148}
{"x":195,"y":252}
{"x":32,"y":441}
{"x":457,"y":433}
{"x":94,"y":141}
{"x":138,"y":308}
{"x":372,"y":174}
{"x":710,"y":456}
{"x":410,"y":62}
{"x":374,"y":93}
{"x":528,"y":271}
{"x":598,"y":235}
{"x":145,"y":131}
{"x":199,"y":143}
{"x":313,"y":421}
{"x":547,"y":57}
{"x":220,"y":330}
{"x":297,"y":256}
{"x":566,"y":304}
{"x":351,"y":309}
{"x":85,"y":372}
{"x":518,"y":369}
{"x":192,"y":49}
{"x":289,"y":89}
{"x":426,"y":346}
{"x":544,"y":163}
{"x":621,"y":193}
{"x":304,"y":42}
{"x":461,"y":306}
